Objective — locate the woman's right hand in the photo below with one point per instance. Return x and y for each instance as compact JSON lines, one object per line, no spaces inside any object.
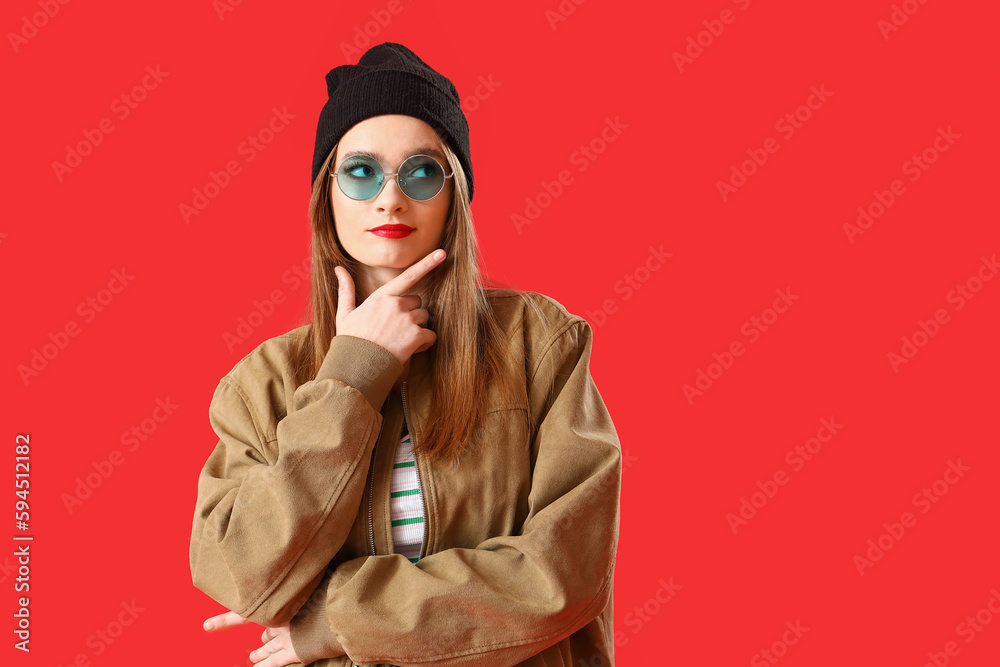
{"x":389,"y":317}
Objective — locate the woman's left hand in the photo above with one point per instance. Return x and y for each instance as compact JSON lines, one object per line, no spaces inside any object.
{"x":277,"y":650}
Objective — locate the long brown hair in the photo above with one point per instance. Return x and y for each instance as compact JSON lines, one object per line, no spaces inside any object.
{"x":469,"y":351}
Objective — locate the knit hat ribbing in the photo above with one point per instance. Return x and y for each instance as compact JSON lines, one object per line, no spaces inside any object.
{"x":390,"y":79}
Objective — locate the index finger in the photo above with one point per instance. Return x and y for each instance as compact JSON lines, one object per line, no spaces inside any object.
{"x":399,"y":285}
{"x":227,"y":620}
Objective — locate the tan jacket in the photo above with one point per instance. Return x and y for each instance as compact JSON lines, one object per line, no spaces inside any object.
{"x":520,"y":538}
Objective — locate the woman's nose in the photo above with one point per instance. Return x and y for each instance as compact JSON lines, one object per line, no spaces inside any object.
{"x":391,"y":198}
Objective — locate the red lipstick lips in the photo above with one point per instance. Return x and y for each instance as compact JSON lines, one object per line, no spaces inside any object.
{"x":391,"y":231}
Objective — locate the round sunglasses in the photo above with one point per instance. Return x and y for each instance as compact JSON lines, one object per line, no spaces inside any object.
{"x":420,"y":177}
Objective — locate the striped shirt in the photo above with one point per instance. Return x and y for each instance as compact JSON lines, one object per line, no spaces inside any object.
{"x":406,"y":505}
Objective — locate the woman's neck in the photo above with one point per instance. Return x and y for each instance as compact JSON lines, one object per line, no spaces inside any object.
{"x":371,"y":278}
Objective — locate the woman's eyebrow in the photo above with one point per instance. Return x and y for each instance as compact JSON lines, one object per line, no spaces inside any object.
{"x":425,"y":150}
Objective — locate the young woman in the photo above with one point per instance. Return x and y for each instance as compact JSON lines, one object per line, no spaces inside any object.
{"x":426,"y":473}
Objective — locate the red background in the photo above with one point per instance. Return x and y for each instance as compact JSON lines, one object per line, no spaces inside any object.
{"x":655,"y":185}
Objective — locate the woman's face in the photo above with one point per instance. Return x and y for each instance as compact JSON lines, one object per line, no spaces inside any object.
{"x":390,"y":139}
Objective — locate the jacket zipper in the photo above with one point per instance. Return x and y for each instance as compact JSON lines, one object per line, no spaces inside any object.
{"x":371,"y":486}
{"x":371,"y":493}
{"x":423,"y":503}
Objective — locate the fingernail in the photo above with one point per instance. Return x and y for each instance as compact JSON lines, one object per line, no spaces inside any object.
{"x":438,"y":254}
{"x":209,"y":625}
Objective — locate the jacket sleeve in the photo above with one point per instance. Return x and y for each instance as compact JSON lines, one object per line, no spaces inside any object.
{"x":277,"y":497}
{"x":511,"y":596}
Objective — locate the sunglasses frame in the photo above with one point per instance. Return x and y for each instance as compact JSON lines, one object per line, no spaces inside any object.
{"x":385,"y":176}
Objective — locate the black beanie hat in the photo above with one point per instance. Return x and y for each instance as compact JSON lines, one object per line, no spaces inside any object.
{"x":391,"y":79}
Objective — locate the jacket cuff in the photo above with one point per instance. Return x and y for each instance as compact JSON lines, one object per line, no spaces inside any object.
{"x":311,"y":634}
{"x":362,"y":364}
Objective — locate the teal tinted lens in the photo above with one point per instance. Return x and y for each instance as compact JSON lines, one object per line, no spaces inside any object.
{"x":420,"y":177}
{"x":360,"y":177}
